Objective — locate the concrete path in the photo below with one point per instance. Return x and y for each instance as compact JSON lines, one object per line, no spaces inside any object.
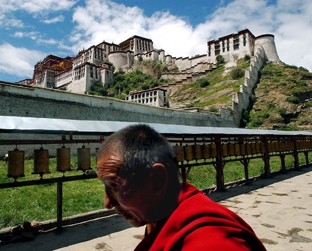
{"x":279,"y":210}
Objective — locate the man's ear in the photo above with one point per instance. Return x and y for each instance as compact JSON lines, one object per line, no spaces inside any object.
{"x":159,"y":178}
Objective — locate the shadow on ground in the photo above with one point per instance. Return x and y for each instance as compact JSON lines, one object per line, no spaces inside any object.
{"x":70,"y":235}
{"x":237,"y":189}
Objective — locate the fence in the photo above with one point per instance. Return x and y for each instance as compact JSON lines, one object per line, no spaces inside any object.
{"x":194,"y":146}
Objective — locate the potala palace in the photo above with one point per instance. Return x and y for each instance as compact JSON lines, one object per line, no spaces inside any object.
{"x":99,"y":62}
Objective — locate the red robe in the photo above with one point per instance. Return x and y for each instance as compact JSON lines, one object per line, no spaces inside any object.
{"x":198,"y":223}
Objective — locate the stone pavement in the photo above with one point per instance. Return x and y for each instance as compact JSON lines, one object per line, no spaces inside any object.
{"x":279,"y":210}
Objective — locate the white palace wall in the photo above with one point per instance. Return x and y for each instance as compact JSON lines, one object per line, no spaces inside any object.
{"x":240,"y":100}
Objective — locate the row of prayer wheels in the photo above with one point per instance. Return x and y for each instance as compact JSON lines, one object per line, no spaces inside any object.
{"x":208,"y":151}
{"x":194,"y":152}
{"x":304,"y":144}
{"x":41,"y":161}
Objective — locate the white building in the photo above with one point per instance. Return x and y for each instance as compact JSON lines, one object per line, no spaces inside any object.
{"x":236,"y":45}
{"x":154,"y":97}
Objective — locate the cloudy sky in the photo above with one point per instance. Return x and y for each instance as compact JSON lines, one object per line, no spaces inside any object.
{"x":33,"y":29}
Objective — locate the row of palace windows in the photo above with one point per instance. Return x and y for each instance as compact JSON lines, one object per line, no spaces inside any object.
{"x":143,"y":95}
{"x":144,"y":101}
{"x":226,"y":45}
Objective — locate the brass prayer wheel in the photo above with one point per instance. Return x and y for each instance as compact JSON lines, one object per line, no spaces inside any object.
{"x":213,"y":151}
{"x":225,"y":151}
{"x":178,"y":152}
{"x":84,"y":159}
{"x":275,"y":146}
{"x":258,"y":147}
{"x":242,"y":149}
{"x":262,"y":147}
{"x":231,"y":148}
{"x":253,"y":148}
{"x":237,"y":150}
{"x":41,"y":161}
{"x":198,"y":152}
{"x":16,"y":163}
{"x":63,"y":159}
{"x":189,"y":152}
{"x":206,"y":151}
{"x":248,"y":149}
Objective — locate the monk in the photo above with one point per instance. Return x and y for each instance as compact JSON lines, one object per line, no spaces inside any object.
{"x":142,"y":182}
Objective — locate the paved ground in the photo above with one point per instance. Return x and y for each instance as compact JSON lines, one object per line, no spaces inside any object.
{"x":279,"y":210}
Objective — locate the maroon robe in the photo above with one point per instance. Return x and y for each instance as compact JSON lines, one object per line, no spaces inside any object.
{"x":198,"y":223}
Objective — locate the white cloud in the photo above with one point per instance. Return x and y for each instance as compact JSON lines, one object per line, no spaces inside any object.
{"x":290,"y":23}
{"x":37,"y":7}
{"x":54,"y":20}
{"x":32,"y":35}
{"x":19,"y":61}
{"x":33,"y":6}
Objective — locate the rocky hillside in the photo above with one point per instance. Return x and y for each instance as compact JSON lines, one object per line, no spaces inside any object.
{"x":283,"y":99}
{"x":213,"y":91}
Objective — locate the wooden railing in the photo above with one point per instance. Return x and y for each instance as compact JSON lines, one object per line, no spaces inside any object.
{"x":191,"y":150}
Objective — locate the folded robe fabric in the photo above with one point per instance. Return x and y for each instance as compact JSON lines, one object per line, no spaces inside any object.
{"x":198,"y":223}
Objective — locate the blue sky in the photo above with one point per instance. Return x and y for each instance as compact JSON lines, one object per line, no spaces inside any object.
{"x":33,"y":29}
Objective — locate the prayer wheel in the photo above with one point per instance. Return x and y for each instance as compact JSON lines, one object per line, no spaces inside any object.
{"x":278,"y":146}
{"x":198,"y":152}
{"x":271,"y":147}
{"x":16,"y":164}
{"x":206,"y":151}
{"x":225,"y":151}
{"x":63,"y":159}
{"x":84,"y":159}
{"x":283,"y":146}
{"x":237,"y":151}
{"x":41,"y":161}
{"x":262,"y":148}
{"x":231,"y":149}
{"x":178,"y":152}
{"x":302,"y":145}
{"x":189,"y":152}
{"x":258,"y":147}
{"x":213,"y":150}
{"x":290,"y":146}
{"x":253,"y":148}
{"x":248,"y":149}
{"x":242,"y":149}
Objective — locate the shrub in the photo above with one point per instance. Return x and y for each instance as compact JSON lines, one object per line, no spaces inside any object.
{"x":303,"y":69}
{"x":220,"y":60}
{"x":247,"y":57}
{"x":98,"y":89}
{"x":291,"y":67}
{"x":237,"y":73}
{"x":292,"y":99}
{"x":271,"y":105}
{"x":282,"y":111}
{"x":202,"y":82}
{"x":308,"y":104}
{"x":213,"y":109}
